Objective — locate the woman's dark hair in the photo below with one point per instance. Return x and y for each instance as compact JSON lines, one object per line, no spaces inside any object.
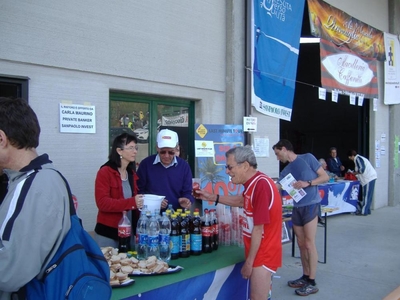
{"x":120,"y":142}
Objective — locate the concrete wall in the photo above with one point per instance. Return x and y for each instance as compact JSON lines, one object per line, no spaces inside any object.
{"x":77,"y":51}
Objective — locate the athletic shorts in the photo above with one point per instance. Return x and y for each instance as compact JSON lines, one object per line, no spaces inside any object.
{"x":305,"y":214}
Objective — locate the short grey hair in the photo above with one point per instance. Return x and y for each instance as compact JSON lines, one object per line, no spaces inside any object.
{"x":243,"y":154}
{"x":321,"y":160}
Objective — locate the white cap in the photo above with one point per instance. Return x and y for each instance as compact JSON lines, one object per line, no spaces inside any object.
{"x":167,"y":139}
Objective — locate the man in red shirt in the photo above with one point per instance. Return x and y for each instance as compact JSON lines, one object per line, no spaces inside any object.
{"x":262,"y":225}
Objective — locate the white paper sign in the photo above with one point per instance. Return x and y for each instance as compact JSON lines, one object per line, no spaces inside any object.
{"x":75,"y":118}
{"x":204,"y":148}
{"x":352,"y":99}
{"x":322,"y":93}
{"x":261,"y":147}
{"x":250,"y":124}
{"x":375,"y":104}
{"x":335,"y":96}
{"x":360,"y":100}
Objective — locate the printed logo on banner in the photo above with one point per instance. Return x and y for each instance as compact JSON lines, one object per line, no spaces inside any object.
{"x":347,"y":73}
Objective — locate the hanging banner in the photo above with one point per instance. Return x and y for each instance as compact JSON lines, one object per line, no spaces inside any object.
{"x":181,"y":120}
{"x":392,"y":69}
{"x":334,"y":25}
{"x":347,"y":73}
{"x":275,"y":50}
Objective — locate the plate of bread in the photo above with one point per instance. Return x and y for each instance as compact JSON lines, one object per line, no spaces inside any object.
{"x":153,"y":266}
{"x":116,"y":283}
{"x":122,"y":266}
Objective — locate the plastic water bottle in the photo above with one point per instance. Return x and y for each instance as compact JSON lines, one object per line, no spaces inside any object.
{"x":153,"y":231}
{"x":165,"y":230}
{"x":170,"y":207}
{"x":141,"y":237}
{"x":124,"y":233}
{"x":158,"y":215}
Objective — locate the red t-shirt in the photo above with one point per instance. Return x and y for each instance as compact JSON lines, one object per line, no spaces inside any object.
{"x":263,"y":205}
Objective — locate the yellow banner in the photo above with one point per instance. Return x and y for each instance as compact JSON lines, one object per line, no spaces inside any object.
{"x":334,"y":25}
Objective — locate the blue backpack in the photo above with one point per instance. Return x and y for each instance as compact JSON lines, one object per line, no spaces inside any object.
{"x":77,"y":271}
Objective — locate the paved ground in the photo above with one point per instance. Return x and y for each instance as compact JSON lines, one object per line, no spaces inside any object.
{"x":363,"y":258}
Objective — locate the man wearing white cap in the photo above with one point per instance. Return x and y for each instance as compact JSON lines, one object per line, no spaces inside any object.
{"x":165,"y":174}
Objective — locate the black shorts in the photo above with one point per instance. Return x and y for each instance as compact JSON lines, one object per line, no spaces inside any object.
{"x":305,"y":214}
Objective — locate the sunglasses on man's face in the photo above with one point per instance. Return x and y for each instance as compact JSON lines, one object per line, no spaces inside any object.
{"x":170,"y":152}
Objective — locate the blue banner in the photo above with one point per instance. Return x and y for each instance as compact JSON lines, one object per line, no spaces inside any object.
{"x":226,"y":283}
{"x":276,"y":39}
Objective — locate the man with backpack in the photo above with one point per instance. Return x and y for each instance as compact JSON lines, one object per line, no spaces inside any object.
{"x":35,"y":214}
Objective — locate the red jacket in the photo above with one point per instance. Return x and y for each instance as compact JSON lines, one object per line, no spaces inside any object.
{"x":111,"y":202}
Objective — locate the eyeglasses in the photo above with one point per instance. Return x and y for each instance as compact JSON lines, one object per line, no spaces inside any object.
{"x":231,"y":167}
{"x":131,"y":148}
{"x":170,"y":152}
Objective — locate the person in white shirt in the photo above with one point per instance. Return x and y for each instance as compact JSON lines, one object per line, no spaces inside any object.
{"x":367,"y":176}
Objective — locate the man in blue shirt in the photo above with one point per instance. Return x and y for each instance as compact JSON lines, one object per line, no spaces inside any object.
{"x":308,"y":173}
{"x":166,"y":174}
{"x":334,"y":163}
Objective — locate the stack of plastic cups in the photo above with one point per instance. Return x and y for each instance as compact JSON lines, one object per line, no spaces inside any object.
{"x":227,"y":228}
{"x":220,"y":212}
{"x":241,"y":214}
{"x":235,"y":225}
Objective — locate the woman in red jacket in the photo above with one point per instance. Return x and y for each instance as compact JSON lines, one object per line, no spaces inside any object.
{"x":116,"y":191}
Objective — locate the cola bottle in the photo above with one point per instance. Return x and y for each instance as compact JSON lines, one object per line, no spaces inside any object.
{"x":185,"y":237}
{"x":195,"y":234}
{"x":124,"y":234}
{"x":153,"y":231}
{"x":214,"y":222}
{"x":175,"y":237}
{"x":141,"y":237}
{"x":206,"y":233}
{"x":165,"y":231}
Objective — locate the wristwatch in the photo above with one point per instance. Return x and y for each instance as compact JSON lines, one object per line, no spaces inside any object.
{"x":310,"y":182}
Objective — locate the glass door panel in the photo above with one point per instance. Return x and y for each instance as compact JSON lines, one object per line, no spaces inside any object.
{"x":133,"y":118}
{"x":175,"y":118}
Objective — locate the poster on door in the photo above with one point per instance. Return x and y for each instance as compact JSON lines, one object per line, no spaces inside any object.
{"x":211,"y":143}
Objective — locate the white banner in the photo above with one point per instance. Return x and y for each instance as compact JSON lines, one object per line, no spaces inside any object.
{"x":392,"y":69}
{"x":181,"y":120}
